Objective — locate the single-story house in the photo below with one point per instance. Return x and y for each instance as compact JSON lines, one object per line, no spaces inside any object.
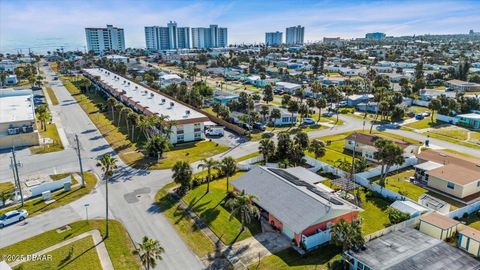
{"x":336,"y":80}
{"x":287,"y":87}
{"x":286,"y":117}
{"x":409,"y":249}
{"x":354,"y":100}
{"x":365,"y":145}
{"x":409,"y":207}
{"x":295,"y":203}
{"x":257,"y":81}
{"x":438,"y":226}
{"x":469,"y":120}
{"x":452,"y":174}
{"x":469,"y":240}
{"x":167,"y":79}
{"x":462,"y":86}
{"x":371,"y":107}
{"x":223,"y":97}
{"x":117,"y":58}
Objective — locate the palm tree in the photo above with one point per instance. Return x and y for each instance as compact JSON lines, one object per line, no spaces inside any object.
{"x":182,"y":174}
{"x":108,"y":164}
{"x":133,"y":119}
{"x":157,"y":145}
{"x":347,"y":235}
{"x":119,"y":107}
{"x":320,"y":104}
{"x":388,"y":154}
{"x":228,"y":167}
{"x":274,"y":115}
{"x":317,"y":147}
{"x":208,"y":164}
{"x":266,"y":148}
{"x":242,"y":206}
{"x":111,"y":102}
{"x":149,"y":251}
{"x":5,"y":196}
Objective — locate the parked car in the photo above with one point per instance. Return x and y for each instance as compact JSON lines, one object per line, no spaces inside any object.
{"x":246,"y":126}
{"x":426,"y":114}
{"x":308,"y":121}
{"x":392,"y":126}
{"x":259,"y":126}
{"x":342,"y":104}
{"x":215,"y":132}
{"x":327,"y":114}
{"x":36,"y":88}
{"x":12,"y":217}
{"x":419,"y":116}
{"x":55,"y":78}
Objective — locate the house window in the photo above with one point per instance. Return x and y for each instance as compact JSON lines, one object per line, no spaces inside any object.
{"x":478,"y":184}
{"x":180,"y":138}
{"x":450,"y":185}
{"x":198,"y":136}
{"x":285,"y":119}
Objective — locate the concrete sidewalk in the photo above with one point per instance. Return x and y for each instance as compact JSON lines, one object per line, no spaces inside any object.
{"x":102,"y":252}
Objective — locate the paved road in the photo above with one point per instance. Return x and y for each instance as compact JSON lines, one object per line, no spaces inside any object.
{"x":131,"y":192}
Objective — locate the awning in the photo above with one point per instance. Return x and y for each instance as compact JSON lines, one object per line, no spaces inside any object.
{"x":427,"y":166}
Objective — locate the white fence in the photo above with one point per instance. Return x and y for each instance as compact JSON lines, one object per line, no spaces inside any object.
{"x":317,"y":239}
{"x":421,"y":103}
{"x":246,"y":165}
{"x":319,"y":165}
{"x":50,"y":186}
{"x":469,"y":209}
{"x":363,"y":179}
{"x":446,"y":119}
{"x":410,"y":223}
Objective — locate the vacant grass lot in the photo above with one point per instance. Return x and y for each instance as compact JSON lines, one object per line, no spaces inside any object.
{"x":118,"y":244}
{"x":189,"y":152}
{"x":51,"y":133}
{"x":80,"y":254}
{"x":209,"y":207}
{"x":186,"y":228}
{"x":374,"y":217}
{"x":421,"y":124}
{"x":38,"y":206}
{"x":398,"y":182}
{"x":6,"y":187}
{"x":326,"y":257}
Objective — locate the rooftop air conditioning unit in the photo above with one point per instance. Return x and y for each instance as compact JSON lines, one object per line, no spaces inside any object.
{"x":163,"y":101}
{"x":151,"y":95}
{"x":171,"y":104}
{"x":136,"y":87}
{"x":187,"y":112}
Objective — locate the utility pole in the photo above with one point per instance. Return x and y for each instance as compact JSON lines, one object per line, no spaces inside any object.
{"x":80,"y":160}
{"x":15,"y":165}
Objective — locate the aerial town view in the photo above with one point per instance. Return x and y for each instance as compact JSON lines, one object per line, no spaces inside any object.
{"x":260,"y":135}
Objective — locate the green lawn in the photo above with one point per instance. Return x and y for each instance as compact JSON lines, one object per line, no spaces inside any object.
{"x":398,"y":182}
{"x":7,"y":187}
{"x":52,"y":96}
{"x":452,"y":132}
{"x":38,"y":206}
{"x":473,"y":220}
{"x":421,"y":124}
{"x":80,"y":254}
{"x":252,"y":155}
{"x":326,"y":257}
{"x":51,"y":133}
{"x":186,"y":228}
{"x":189,"y":152}
{"x":209,"y":207}
{"x":118,"y":244}
{"x":374,"y":217}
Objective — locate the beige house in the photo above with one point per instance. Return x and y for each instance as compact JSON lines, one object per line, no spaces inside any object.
{"x":364,"y":144}
{"x":463,"y":86}
{"x":449,"y":173}
{"x":469,"y":240}
{"x":17,"y":119}
{"x":438,"y":226}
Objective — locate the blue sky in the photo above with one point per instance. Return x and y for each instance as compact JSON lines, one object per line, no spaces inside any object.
{"x":26,"y":24}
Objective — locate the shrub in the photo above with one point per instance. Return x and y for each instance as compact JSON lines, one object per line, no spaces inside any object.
{"x":395,"y":216}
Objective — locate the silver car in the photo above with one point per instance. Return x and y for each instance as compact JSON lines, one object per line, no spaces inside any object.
{"x":12,"y":217}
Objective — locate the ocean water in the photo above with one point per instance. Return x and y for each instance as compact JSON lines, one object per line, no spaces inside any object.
{"x":40,"y":45}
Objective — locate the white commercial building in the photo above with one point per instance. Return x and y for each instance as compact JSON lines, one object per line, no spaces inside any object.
{"x":211,"y":37}
{"x":117,"y":58}
{"x":17,"y":119}
{"x":189,"y":123}
{"x":295,"y":35}
{"x":166,"y":38}
{"x":7,"y":65}
{"x":273,"y":38}
{"x":100,"y":40}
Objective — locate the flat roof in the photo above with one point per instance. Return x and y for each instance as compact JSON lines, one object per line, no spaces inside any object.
{"x":16,"y":105}
{"x":470,"y":232}
{"x":439,"y":220}
{"x":147,"y":98}
{"x":409,"y":249}
{"x":470,"y":115}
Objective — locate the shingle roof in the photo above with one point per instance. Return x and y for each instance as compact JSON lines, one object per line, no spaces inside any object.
{"x":409,"y":249}
{"x":369,"y":139}
{"x":457,"y":169}
{"x":295,"y":206}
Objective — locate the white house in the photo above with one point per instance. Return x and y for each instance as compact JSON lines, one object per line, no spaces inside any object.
{"x":287,"y":87}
